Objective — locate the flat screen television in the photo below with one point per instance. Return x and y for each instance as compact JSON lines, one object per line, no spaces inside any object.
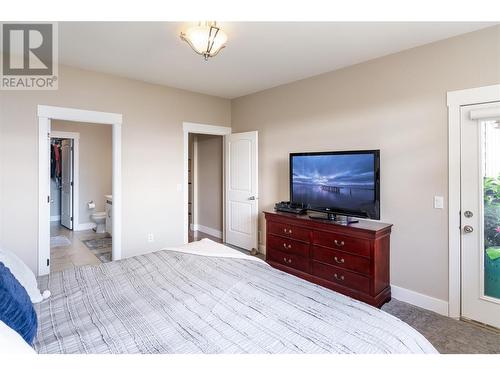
{"x":338,"y":182}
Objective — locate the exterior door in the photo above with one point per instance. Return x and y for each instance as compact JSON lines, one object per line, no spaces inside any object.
{"x":67,"y":183}
{"x":241,"y":189}
{"x":480,"y":212}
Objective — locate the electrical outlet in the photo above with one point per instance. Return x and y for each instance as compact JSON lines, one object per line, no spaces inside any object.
{"x":438,"y":202}
{"x":151,"y":237}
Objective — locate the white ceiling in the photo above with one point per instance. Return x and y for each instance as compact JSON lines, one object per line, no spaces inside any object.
{"x":258,"y":55}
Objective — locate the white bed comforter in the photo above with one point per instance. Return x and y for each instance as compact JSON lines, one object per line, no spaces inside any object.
{"x":208,"y":298}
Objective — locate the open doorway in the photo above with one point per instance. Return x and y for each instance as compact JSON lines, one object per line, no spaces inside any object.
{"x":205,"y":185}
{"x":47,"y":115}
{"x":239,"y":187}
{"x":80,"y":194}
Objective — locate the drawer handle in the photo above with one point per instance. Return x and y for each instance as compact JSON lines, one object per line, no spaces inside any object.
{"x":338,"y":243}
{"x":287,"y":246}
{"x":339,"y":278}
{"x":287,"y":231}
{"x":339,"y":261}
{"x":287,"y":260}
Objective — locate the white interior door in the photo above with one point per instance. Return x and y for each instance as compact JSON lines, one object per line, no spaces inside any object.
{"x":67,"y":183}
{"x":480,"y":210}
{"x":241,"y":189}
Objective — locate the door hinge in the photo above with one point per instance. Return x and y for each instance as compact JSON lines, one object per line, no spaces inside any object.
{"x":48,"y":262}
{"x":48,"y":198}
{"x":71,"y":218}
{"x":71,"y":183}
{"x":48,"y":135}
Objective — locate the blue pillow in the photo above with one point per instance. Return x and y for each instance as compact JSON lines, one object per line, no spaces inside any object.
{"x":16,"y":309}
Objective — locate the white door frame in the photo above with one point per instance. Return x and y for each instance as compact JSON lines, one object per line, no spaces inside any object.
{"x":45,"y":115}
{"x":195,"y":128}
{"x":76,"y":171}
{"x":455,"y":100}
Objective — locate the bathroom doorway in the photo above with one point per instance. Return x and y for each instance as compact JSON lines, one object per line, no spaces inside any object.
{"x":81,"y":194}
{"x":47,"y":115}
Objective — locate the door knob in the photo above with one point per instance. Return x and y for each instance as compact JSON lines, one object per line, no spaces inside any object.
{"x":468,"y":229}
{"x":468,"y":214}
{"x":252,"y":198}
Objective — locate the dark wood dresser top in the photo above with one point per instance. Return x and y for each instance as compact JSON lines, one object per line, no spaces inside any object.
{"x":366,"y":225}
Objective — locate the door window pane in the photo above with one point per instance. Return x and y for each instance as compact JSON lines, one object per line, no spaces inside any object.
{"x":491,"y":191}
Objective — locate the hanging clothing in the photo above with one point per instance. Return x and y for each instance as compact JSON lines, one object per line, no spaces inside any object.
{"x":52,"y":162}
{"x":57,"y":156}
{"x":55,"y":162}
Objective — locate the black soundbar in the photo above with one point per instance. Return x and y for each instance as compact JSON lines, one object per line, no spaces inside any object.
{"x":290,"y":207}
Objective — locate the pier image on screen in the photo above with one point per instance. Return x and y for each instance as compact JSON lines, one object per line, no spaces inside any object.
{"x":345,"y":182}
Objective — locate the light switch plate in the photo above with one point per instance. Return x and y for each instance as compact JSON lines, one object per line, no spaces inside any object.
{"x":438,"y":202}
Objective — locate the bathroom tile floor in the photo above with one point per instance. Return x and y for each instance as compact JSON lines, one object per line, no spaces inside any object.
{"x":76,"y":254}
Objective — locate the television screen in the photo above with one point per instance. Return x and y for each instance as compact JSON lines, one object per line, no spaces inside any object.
{"x":342,"y":182}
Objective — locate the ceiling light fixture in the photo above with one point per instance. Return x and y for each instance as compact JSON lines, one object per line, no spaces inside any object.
{"x":206,"y":39}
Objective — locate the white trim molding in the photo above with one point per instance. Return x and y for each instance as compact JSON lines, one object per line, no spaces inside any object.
{"x":60,"y":134}
{"x":456,"y":100}
{"x":45,"y":115}
{"x":207,"y":230}
{"x":80,"y":115}
{"x":262,"y":249}
{"x":195,"y":128}
{"x":421,"y":300}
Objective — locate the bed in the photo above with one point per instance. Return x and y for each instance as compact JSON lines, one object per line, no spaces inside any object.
{"x":205,"y":297}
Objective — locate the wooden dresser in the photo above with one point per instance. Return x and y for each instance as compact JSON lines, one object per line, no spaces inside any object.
{"x":350,"y":259}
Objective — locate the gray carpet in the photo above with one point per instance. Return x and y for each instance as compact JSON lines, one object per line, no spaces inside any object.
{"x":446,"y":334}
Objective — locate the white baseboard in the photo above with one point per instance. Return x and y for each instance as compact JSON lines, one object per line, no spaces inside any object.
{"x":84,"y":226}
{"x":55,"y":218}
{"x":207,"y":230}
{"x":421,"y":300}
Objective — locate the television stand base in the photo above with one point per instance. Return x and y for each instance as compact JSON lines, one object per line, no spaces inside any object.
{"x":339,"y":219}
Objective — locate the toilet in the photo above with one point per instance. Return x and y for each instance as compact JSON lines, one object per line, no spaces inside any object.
{"x":100,"y":219}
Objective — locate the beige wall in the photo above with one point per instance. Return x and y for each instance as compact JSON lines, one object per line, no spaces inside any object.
{"x":396,"y":104}
{"x":95,"y":164}
{"x":152,"y":152}
{"x":209,"y":174}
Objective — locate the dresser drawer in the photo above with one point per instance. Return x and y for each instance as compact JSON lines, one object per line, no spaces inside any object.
{"x":289,"y":260}
{"x":340,"y":242}
{"x":341,"y":259}
{"x":290,"y":231}
{"x":287,"y":245}
{"x":341,"y":277}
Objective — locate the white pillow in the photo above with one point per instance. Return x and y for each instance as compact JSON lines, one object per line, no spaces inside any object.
{"x":11,"y":342}
{"x":24,"y":275}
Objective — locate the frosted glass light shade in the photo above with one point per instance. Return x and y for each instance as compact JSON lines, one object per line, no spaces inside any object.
{"x":206,"y":40}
